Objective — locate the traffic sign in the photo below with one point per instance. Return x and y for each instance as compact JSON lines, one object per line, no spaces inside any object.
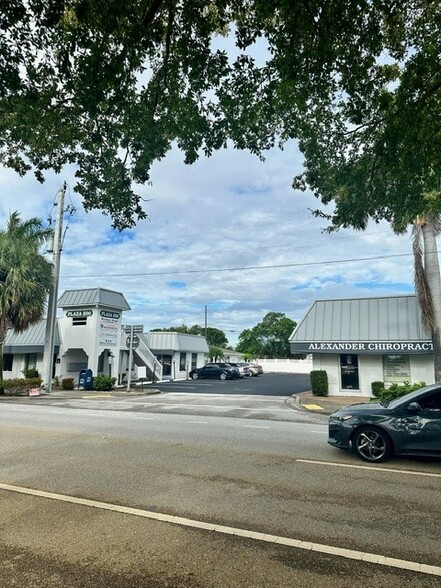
{"x":132,"y":341}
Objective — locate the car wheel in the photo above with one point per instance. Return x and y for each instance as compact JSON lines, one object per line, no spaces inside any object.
{"x":195,"y":376}
{"x":372,"y":444}
{"x":223,"y":376}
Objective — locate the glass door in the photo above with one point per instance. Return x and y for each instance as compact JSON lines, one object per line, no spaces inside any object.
{"x":349,"y":372}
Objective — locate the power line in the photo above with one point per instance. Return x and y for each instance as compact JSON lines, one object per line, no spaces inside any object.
{"x":236,"y":269}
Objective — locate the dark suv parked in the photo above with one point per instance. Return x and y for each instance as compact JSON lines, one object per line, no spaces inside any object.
{"x":223,"y":371}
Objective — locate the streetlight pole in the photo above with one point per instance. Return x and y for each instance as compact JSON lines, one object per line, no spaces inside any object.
{"x":48,"y":353}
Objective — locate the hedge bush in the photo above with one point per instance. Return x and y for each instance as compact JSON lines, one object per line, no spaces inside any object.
{"x":319,"y":382}
{"x":68,"y":383}
{"x":377,"y":388}
{"x":31,"y":373}
{"x":397,"y":390}
{"x":19,"y":386}
{"x":103,"y":383}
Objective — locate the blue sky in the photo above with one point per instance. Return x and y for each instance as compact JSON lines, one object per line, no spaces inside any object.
{"x":228,"y":232}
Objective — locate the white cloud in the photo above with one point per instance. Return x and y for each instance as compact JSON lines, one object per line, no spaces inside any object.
{"x":229,"y":211}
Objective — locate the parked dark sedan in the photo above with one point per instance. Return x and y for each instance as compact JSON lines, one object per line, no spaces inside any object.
{"x":410,"y":425}
{"x":223,"y":371}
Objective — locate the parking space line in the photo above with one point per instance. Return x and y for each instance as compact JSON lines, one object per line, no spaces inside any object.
{"x":370,"y":468}
{"x":214,"y":527}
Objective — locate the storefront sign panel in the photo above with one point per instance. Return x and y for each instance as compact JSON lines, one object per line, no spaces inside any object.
{"x":109,"y":329}
{"x":396,"y":368}
{"x":364,"y":347}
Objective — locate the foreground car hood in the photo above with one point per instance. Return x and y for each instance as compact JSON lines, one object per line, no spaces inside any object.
{"x":360,"y":407}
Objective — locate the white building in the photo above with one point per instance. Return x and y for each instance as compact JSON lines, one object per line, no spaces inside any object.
{"x":90,"y":335}
{"x":359,"y":341}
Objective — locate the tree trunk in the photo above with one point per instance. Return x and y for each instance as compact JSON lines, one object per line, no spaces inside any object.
{"x":2,"y":390}
{"x":433,"y":276}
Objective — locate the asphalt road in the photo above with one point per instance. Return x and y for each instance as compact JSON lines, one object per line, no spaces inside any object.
{"x":274,"y":477}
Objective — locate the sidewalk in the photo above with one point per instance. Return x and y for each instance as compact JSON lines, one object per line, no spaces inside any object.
{"x":325,"y":404}
{"x":84,"y":394}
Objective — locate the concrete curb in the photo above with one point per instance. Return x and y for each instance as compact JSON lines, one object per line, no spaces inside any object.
{"x":81,"y":395}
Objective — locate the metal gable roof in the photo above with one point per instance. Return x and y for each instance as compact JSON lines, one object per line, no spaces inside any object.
{"x":174,"y":341}
{"x":392,"y":318}
{"x":31,"y":340}
{"x":93,"y":297}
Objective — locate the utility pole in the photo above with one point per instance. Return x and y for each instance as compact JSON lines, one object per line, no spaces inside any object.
{"x":48,"y":353}
{"x":206,"y":321}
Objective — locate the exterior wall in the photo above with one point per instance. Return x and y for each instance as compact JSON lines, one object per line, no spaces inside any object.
{"x":329,"y":363}
{"x":421,"y":369}
{"x":370,"y":369}
{"x":19,"y":364}
{"x":85,"y":343}
{"x":177,"y":373}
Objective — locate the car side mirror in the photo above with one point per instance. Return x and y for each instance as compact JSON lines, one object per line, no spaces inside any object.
{"x":414,"y":407}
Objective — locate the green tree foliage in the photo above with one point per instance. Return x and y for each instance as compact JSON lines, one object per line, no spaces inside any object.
{"x":215,"y":353}
{"x":269,"y":338}
{"x":110,"y":86}
{"x":215,"y":337}
{"x":25,"y":276}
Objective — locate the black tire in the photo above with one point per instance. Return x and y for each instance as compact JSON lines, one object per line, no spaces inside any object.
{"x":223,"y":376}
{"x":195,"y":376}
{"x":372,"y":444}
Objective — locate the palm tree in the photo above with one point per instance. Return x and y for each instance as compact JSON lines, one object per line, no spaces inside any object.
{"x":428,"y":280}
{"x":25,"y":276}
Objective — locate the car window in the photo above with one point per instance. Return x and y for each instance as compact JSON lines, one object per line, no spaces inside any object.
{"x":431,"y":402}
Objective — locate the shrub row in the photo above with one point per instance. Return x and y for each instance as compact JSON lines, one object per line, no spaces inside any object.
{"x":99,"y":383}
{"x":19,"y":386}
{"x":394,"y":390}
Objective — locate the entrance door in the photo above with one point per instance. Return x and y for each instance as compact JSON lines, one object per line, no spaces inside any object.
{"x":166,"y":361}
{"x":349,"y":372}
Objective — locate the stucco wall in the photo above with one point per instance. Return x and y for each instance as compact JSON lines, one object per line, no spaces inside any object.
{"x":370,"y":369}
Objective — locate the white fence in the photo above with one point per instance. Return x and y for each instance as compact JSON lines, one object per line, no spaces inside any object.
{"x":286,"y":366}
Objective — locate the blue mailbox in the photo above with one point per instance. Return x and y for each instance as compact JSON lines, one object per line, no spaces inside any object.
{"x":86,"y":379}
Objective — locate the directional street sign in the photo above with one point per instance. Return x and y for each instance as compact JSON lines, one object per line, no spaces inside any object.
{"x":135,"y":341}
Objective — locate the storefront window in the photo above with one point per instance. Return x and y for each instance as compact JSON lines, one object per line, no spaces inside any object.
{"x":194,"y":360}
{"x":30,"y":360}
{"x":396,"y":368}
{"x":349,"y":372}
{"x":8,"y":359}
{"x":182,"y":360}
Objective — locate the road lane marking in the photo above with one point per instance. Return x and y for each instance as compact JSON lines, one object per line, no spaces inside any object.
{"x":313,"y":406}
{"x":370,"y":468}
{"x":275,"y":539}
{"x":198,"y":422}
{"x":256,"y":427}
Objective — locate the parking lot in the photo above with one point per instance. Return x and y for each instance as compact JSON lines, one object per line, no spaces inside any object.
{"x":266,"y":385}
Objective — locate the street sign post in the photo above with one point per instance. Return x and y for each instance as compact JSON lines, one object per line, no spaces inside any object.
{"x":132,"y":341}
